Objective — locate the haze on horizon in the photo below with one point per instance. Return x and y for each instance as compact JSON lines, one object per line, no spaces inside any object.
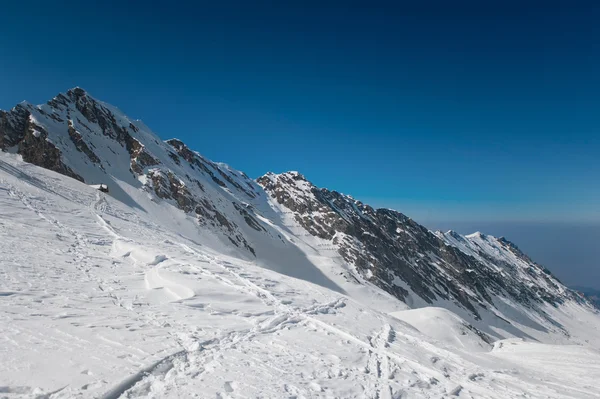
{"x":469,"y":115}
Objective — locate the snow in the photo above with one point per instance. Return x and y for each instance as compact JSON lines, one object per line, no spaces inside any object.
{"x":101,"y":298}
{"x":445,"y":327}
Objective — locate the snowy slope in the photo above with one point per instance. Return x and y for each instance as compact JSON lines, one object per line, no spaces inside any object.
{"x":446,"y":327}
{"x":188,"y":278}
{"x":99,"y":300}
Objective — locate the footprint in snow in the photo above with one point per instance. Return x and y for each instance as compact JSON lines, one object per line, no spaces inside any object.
{"x":230,"y":386}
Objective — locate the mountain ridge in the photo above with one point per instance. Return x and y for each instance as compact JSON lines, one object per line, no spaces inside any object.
{"x":94,"y":142}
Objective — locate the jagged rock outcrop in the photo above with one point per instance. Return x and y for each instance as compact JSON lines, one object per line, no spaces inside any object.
{"x":394,"y":252}
{"x":18,"y":129}
{"x":77,"y":139}
{"x":198,"y":161}
{"x":13,"y":126}
{"x":75,"y":132}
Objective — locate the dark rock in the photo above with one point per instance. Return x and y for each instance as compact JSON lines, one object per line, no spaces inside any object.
{"x":13,"y":126}
{"x":77,"y":139}
{"x":140,"y":158}
{"x":35,"y":149}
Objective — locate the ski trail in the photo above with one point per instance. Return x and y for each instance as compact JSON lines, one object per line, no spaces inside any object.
{"x":378,"y":363}
{"x":378,"y":346}
{"x":164,"y":364}
{"x":99,"y":206}
{"x":80,"y":241}
{"x":195,"y":361}
{"x":192,"y":363}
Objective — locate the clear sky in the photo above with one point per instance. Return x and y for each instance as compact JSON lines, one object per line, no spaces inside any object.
{"x":486,"y":110}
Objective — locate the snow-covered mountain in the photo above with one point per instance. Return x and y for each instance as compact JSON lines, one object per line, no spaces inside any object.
{"x":478,"y":273}
{"x":190,"y":277}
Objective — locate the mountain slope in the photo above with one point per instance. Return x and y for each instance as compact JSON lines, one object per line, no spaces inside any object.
{"x":102,"y":299}
{"x":481,"y":275}
{"x":75,"y":132}
{"x":188,"y":276}
{"x":592,"y":294}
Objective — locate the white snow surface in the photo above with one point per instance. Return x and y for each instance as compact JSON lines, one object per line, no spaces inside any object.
{"x":99,"y":298}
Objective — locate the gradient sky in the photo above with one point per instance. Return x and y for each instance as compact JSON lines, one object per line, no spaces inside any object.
{"x":445,"y":110}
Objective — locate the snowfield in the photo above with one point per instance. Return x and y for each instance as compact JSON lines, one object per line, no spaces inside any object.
{"x":105,"y":299}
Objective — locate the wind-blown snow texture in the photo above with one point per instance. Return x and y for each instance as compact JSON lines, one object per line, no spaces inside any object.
{"x":190,"y":279}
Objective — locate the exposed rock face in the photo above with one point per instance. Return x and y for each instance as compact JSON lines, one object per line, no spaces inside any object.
{"x":396,"y":253}
{"x":140,"y":158}
{"x":70,"y":113}
{"x":75,"y":132}
{"x":18,"y":129}
{"x":96,"y":113}
{"x":168,"y":186}
{"x":81,"y":145}
{"x":248,"y":217}
{"x":37,"y":150}
{"x":13,"y":126}
{"x":198,"y":161}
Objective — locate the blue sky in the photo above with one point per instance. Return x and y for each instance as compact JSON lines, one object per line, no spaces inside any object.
{"x":445,"y":111}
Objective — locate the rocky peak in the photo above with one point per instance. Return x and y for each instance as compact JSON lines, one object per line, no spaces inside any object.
{"x":183,"y":150}
{"x":294,"y":175}
{"x":291,"y":179}
{"x":477,"y":235}
{"x":404,"y":258}
{"x":77,"y":92}
{"x":75,"y":132}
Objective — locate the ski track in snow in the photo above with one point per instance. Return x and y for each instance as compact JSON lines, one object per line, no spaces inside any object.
{"x":98,"y":301}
